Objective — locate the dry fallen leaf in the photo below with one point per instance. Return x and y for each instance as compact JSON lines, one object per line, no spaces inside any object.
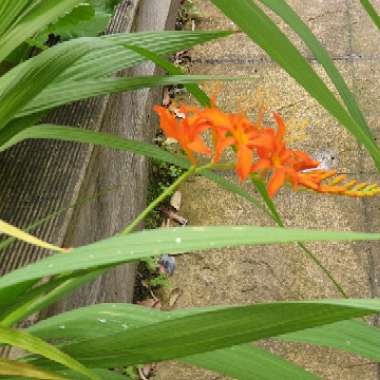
{"x":176,"y":200}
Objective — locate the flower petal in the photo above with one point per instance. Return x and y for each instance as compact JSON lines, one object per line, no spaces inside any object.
{"x":244,"y":161}
{"x":199,"y":146}
{"x":276,"y":181}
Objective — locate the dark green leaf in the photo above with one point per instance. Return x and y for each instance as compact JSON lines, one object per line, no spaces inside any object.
{"x":36,"y":345}
{"x":210,"y":329}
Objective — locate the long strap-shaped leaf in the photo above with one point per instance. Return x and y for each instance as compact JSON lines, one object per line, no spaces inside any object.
{"x":71,"y":91}
{"x":10,"y":230}
{"x":261,"y":29}
{"x":282,"y":9}
{"x":135,"y":246}
{"x":193,"y":89}
{"x":61,"y":375}
{"x":36,"y":345}
{"x":245,"y":362}
{"x":113,"y":56}
{"x":351,"y":336}
{"x":9,"y":10}
{"x":16,"y":368}
{"x":34,"y":21}
{"x":39,"y":72}
{"x":211,"y":329}
{"x":371,"y":12}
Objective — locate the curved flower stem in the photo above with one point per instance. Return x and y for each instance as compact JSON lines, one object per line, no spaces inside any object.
{"x":323,"y":269}
{"x":165,"y":194}
{"x":276,"y":217}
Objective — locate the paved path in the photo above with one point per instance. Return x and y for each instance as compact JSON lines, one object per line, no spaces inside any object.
{"x":249,"y":275}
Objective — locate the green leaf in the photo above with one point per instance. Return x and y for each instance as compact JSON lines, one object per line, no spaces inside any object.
{"x":70,"y":25}
{"x":46,"y":67}
{"x":9,"y":10}
{"x":28,"y":371}
{"x":194,"y":89}
{"x":210,"y":329}
{"x":13,"y":231}
{"x":248,"y":362}
{"x":68,"y":92}
{"x":51,"y":131}
{"x":281,"y":8}
{"x":40,"y":297}
{"x":371,"y":12}
{"x":133,"y":247}
{"x":243,"y":362}
{"x":96,"y":65}
{"x":86,"y":20}
{"x":104,"y":374}
{"x":350,"y":336}
{"x":15,"y":368}
{"x":41,"y":14}
{"x":261,"y":29}
{"x":36,"y":345}
{"x":109,"y":58}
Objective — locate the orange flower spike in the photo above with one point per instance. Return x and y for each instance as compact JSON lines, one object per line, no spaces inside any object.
{"x":167,"y":122}
{"x":220,"y":123}
{"x":186,"y":131}
{"x":244,"y":134}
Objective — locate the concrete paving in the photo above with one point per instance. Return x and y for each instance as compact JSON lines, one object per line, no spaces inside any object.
{"x":250,"y":275}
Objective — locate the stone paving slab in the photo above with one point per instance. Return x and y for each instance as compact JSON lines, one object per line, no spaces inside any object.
{"x":328,"y":20}
{"x":365,"y":37}
{"x":280,"y":272}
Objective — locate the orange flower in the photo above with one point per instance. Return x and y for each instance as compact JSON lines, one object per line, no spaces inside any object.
{"x":313,"y":180}
{"x":234,"y":130}
{"x":284,"y":163}
{"x":186,"y":131}
{"x":258,"y":150}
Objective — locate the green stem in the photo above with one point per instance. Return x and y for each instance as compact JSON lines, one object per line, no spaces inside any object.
{"x":323,"y":269}
{"x":168,"y":191}
{"x":277,"y":218}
